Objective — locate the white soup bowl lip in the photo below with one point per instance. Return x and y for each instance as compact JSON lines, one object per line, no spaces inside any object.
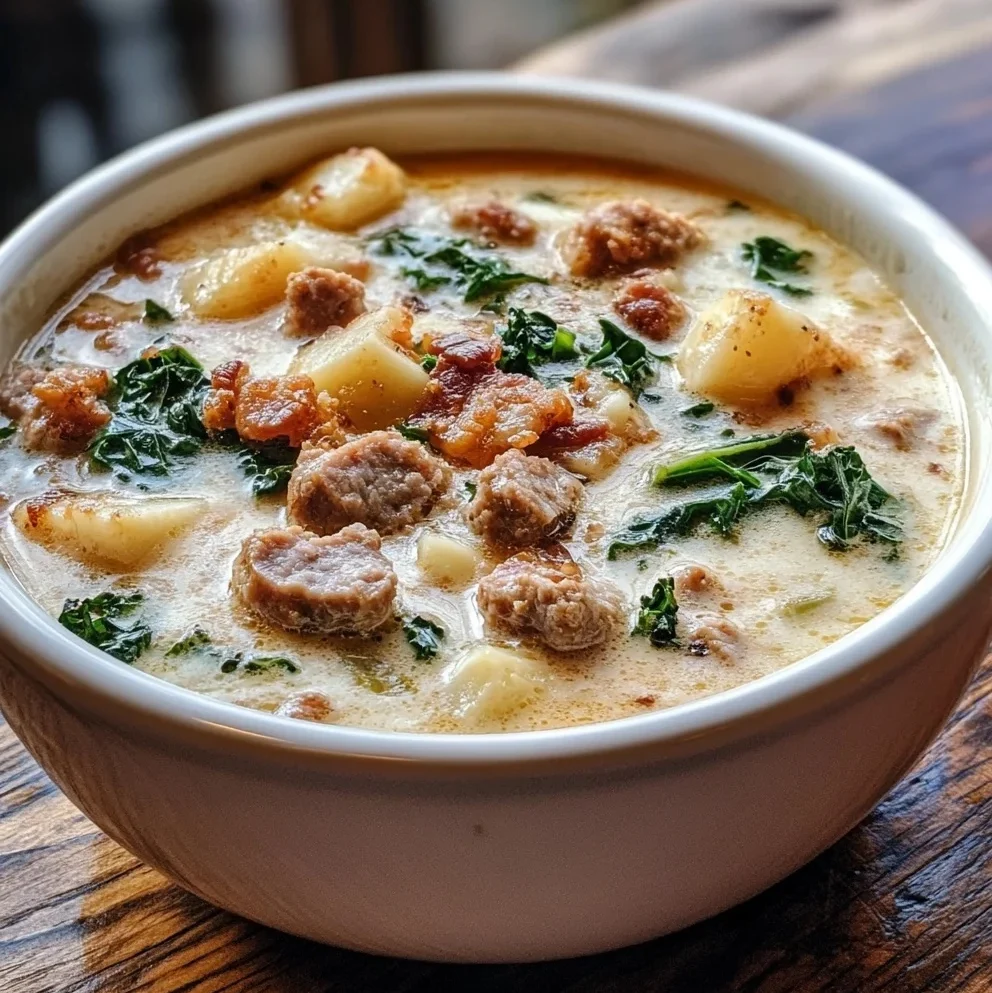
{"x":80,"y":672}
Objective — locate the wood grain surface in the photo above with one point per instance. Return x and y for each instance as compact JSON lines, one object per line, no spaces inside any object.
{"x":902,"y":904}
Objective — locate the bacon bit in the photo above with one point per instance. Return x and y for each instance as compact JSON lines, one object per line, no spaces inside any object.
{"x":650,"y":308}
{"x":265,"y":408}
{"x":647,"y":700}
{"x":496,"y":222}
{"x":474,"y":412}
{"x":139,"y":257}
{"x":936,"y":468}
{"x":467,"y":351}
{"x":582,"y":431}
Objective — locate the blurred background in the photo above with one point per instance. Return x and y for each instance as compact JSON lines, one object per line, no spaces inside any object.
{"x":906,"y":84}
{"x":83,"y":79}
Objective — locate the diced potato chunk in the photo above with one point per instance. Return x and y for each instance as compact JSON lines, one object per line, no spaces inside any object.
{"x":105,"y":528}
{"x":748,"y":346}
{"x":243,"y":281}
{"x":376,"y":381}
{"x":348,"y":190}
{"x":446,"y":561}
{"x":493,"y":682}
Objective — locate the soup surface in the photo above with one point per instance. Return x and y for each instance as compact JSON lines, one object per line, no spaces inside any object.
{"x":476,"y":444}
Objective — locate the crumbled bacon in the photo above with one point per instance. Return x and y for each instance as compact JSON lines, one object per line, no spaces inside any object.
{"x":495,"y":222}
{"x":319,"y":299}
{"x":474,"y":411}
{"x":265,"y":408}
{"x":649,"y":307}
{"x":467,"y":351}
{"x":622,"y":234}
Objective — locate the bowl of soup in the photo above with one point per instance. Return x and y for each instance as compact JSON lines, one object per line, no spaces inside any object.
{"x":478,"y":518}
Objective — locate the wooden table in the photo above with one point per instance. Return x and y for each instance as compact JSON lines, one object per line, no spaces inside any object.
{"x":903,"y":903}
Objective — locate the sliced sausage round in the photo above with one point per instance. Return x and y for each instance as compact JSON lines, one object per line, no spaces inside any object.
{"x":380,"y":480}
{"x":339,"y":584}
{"x":545,"y":596}
{"x":523,"y":500}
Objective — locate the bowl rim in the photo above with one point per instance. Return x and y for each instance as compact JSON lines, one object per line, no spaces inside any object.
{"x":88,"y":679}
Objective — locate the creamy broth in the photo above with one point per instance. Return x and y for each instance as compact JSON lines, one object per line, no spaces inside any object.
{"x":774,"y":592}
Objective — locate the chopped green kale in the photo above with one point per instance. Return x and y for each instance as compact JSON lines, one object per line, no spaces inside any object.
{"x":155,"y":313}
{"x":531,"y":338}
{"x":428,"y":362}
{"x":156,"y":404}
{"x":833,"y":485}
{"x":424,"y":637}
{"x":268,"y":468}
{"x":257,"y":664}
{"x":623,"y":358}
{"x":541,"y":196}
{"x":658,"y":614}
{"x":8,"y":429}
{"x":412,"y":433}
{"x":770,"y":258}
{"x":196,"y":640}
{"x":108,"y":622}
{"x":451,"y":262}
{"x":699,"y":409}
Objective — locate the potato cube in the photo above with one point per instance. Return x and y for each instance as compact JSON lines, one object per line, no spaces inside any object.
{"x":376,"y":381}
{"x":243,"y":281}
{"x":106,"y":528}
{"x":493,"y":682}
{"x":748,"y":346}
{"x":445,"y":561}
{"x":348,"y":190}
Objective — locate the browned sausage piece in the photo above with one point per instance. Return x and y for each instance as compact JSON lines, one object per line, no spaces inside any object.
{"x":59,"y":410}
{"x":523,"y":500}
{"x":380,"y":480}
{"x":650,"y":308}
{"x":495,"y":222}
{"x":319,"y":299}
{"x":623,"y":234}
{"x":339,"y":584}
{"x":544,"y":595}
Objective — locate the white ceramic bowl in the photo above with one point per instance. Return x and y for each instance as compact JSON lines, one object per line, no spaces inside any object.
{"x":528,"y":845}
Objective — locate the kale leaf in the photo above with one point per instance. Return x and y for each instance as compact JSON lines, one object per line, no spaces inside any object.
{"x":428,"y":362}
{"x":726,"y":461}
{"x":256,"y":664}
{"x":155,"y":313}
{"x":658,"y":614}
{"x":451,"y":262}
{"x":833,"y":484}
{"x":770,"y":258}
{"x":623,"y":359}
{"x":156,"y":403}
{"x":531,"y":338}
{"x":196,"y":640}
{"x":412,"y":433}
{"x":107,"y":622}
{"x":268,"y":467}
{"x":6,"y":430}
{"x":424,"y":637}
{"x":700,"y":409}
